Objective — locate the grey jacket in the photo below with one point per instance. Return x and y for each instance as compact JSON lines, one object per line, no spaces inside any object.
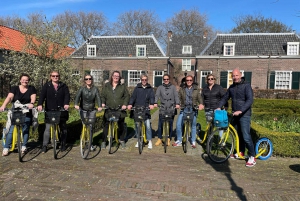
{"x":168,"y":96}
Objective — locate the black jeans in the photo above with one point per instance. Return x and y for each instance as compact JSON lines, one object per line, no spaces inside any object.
{"x":121,"y":132}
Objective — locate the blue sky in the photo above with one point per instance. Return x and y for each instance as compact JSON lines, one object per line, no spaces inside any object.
{"x":219,"y":12}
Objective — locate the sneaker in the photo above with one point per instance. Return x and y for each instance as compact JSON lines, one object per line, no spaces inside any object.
{"x":23,"y":150}
{"x":44,"y":149}
{"x":103,"y":145}
{"x":194,"y":145}
{"x":177,"y":144}
{"x":236,"y":156}
{"x":150,"y":144}
{"x":251,"y":162}
{"x":93,"y":147}
{"x":123,"y":144}
{"x":169,"y":140}
{"x":137,"y":144}
{"x":5,"y":152}
{"x":158,"y":142}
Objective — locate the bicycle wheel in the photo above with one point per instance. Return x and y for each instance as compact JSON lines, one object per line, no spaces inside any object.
{"x":54,"y":134}
{"x":20,"y":142}
{"x":85,"y":141}
{"x":166,"y":135}
{"x":113,"y":143}
{"x":185,"y":137}
{"x":264,"y":148}
{"x":139,"y":136}
{"x":219,"y":148}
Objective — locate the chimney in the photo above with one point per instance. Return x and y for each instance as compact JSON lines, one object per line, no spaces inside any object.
{"x":169,"y":34}
{"x":205,"y":34}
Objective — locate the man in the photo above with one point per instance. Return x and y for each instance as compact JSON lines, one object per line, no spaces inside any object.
{"x":189,"y":96}
{"x":241,"y":95}
{"x":143,"y":95}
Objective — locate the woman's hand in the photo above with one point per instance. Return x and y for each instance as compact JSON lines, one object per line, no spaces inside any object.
{"x":76,"y":107}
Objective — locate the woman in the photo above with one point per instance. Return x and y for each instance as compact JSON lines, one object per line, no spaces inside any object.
{"x":26,"y":95}
{"x":56,"y":95}
{"x":189,"y":96}
{"x":87,"y":95}
{"x":168,"y":97}
{"x":115,"y":94}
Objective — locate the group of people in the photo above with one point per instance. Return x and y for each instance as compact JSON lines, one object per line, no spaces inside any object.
{"x":56,"y":95}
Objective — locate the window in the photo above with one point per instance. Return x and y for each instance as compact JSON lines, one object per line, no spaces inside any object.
{"x":91,"y":50}
{"x":203,"y":77}
{"x":97,"y":75}
{"x":186,"y":64}
{"x":293,"y":48}
{"x":76,"y":72}
{"x":187,"y":49}
{"x":141,"y":50}
{"x":134,"y":77}
{"x":229,"y":49}
{"x":283,"y":79}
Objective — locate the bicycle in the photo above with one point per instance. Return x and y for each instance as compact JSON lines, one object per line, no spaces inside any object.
{"x":86,"y":137}
{"x":112,"y":136}
{"x":209,"y":127}
{"x":166,"y":116}
{"x":219,"y":148}
{"x":188,"y":116}
{"x":140,"y":118}
{"x":53,"y":118}
{"x":17,"y":120}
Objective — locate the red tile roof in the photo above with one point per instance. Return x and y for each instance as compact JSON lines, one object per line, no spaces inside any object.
{"x":11,"y":39}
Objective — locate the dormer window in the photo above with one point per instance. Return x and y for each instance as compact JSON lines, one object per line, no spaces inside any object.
{"x":141,"y":50}
{"x":187,"y":49}
{"x":293,"y":48}
{"x":229,"y":49}
{"x":91,"y":50}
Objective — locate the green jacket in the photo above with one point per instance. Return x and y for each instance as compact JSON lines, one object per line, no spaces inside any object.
{"x":114,"y":98}
{"x":87,"y":98}
{"x":196,"y":96}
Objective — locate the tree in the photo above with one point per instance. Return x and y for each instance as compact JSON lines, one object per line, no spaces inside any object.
{"x":188,"y":22}
{"x":82,"y":25}
{"x":258,"y":24}
{"x":46,"y":49}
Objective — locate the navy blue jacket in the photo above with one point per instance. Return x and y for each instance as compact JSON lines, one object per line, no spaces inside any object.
{"x":241,"y":95}
{"x":142,"y":96}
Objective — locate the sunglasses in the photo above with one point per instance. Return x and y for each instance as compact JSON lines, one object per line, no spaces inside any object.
{"x":144,"y":79}
{"x":54,"y":75}
{"x":210,"y":78}
{"x":166,"y":79}
{"x":189,"y":80}
{"x":88,"y":79}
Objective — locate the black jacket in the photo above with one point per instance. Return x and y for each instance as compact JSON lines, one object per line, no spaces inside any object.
{"x":53,"y":98}
{"x":212,"y":97}
{"x":88,"y":97}
{"x":241,"y":95}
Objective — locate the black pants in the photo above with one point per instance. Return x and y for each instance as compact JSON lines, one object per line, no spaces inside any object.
{"x":121,"y":133}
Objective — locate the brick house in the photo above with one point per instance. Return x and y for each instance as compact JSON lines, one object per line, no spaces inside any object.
{"x":131,"y":55}
{"x":182,"y":51}
{"x":266,"y":60}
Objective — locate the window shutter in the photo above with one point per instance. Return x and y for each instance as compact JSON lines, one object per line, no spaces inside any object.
{"x":106,"y":75}
{"x":223,"y":79}
{"x":295,"y":80}
{"x":87,"y":72}
{"x":192,"y":67}
{"x":248,"y":76}
{"x":125,"y":76}
{"x":272,"y":80}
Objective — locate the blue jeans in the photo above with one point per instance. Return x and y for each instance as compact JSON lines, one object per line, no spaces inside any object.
{"x":242,"y":125}
{"x":160,"y":124}
{"x":148,"y":129}
{"x":179,"y":125}
{"x":25,"y":130}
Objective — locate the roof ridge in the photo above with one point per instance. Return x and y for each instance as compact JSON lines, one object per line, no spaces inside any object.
{"x":123,"y":36}
{"x":240,"y":34}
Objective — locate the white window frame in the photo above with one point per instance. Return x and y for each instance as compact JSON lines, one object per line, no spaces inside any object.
{"x":91,"y":50}
{"x":76,"y":72}
{"x":187,"y":49}
{"x":203,"y":75}
{"x":293,"y":48}
{"x":141,"y":51}
{"x":229,"y":49}
{"x":186,"y":64}
{"x":283,"y":80}
{"x":229,"y":77}
{"x":134,"y":77}
{"x":97,"y":76}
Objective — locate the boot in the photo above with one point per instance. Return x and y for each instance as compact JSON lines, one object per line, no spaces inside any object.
{"x":169,"y":140}
{"x":63,"y":146}
{"x":158,"y":142}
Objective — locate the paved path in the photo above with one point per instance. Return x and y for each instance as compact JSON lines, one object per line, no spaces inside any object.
{"x":153,"y":175}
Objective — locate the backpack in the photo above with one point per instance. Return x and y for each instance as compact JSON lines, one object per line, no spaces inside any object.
{"x":221,"y":118}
